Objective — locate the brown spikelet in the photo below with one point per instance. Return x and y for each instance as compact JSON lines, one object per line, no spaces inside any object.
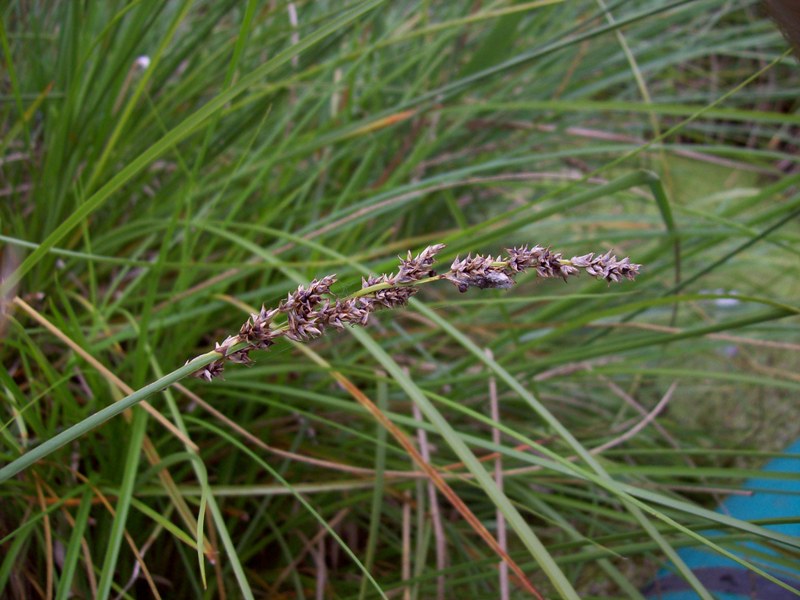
{"x":311,"y":309}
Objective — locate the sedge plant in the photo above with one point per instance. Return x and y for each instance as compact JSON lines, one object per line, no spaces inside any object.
{"x":168,"y":169}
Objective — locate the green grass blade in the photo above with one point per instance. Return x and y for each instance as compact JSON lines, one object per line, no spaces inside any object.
{"x":515,"y":520}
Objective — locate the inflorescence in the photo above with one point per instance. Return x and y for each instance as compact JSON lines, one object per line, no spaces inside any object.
{"x":311,"y":310}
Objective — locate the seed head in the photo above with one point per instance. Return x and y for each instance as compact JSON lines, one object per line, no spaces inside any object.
{"x":225,"y":347}
{"x":522,"y":258}
{"x":305,"y":299}
{"x":310,"y":310}
{"x":349,"y":311}
{"x":606,"y":266}
{"x":257,"y":331}
{"x":479,"y":271}
{"x":210,"y":371}
{"x":241,"y":356}
{"x":391,"y":297}
{"x":418,"y":267}
{"x":304,"y":322}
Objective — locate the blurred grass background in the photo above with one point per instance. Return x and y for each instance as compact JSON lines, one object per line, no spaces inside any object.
{"x":165,"y":165}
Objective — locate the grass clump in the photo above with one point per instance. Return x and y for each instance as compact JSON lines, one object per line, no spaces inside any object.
{"x":167,"y":168}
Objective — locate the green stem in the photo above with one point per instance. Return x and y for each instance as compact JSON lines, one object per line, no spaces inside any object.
{"x":387,"y":284}
{"x":101,"y":416}
{"x":72,"y":433}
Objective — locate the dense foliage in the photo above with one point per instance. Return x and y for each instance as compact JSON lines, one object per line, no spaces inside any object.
{"x":170,"y":167}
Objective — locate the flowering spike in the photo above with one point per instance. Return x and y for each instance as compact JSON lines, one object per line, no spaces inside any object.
{"x":310,"y":310}
{"x":479,"y":271}
{"x":418,"y":267}
{"x":210,"y":371}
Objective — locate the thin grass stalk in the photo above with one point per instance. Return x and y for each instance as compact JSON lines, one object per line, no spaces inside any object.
{"x":494,"y":408}
{"x":93,"y":421}
{"x":48,"y":540}
{"x":77,"y":544}
{"x":108,"y":569}
{"x":432,"y":473}
{"x":382,"y":402}
{"x":321,"y":573}
{"x":436,"y":519}
{"x":405,"y":540}
{"x":138,"y":555}
{"x":212,"y":536}
{"x":308,"y":548}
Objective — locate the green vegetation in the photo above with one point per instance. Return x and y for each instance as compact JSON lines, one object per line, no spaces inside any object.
{"x":169,"y":167}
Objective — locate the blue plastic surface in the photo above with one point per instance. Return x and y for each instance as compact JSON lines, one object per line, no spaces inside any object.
{"x":727,"y":579}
